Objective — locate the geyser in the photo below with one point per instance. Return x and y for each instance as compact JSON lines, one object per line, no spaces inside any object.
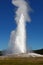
{"x":18,"y":44}
{"x":18,"y":37}
{"x":20,"y":40}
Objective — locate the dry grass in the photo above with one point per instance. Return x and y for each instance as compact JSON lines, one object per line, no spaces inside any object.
{"x":21,"y":61}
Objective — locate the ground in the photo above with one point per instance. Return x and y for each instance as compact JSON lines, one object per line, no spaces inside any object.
{"x":21,"y":61}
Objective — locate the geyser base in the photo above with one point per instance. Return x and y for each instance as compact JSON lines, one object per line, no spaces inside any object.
{"x":24,"y":55}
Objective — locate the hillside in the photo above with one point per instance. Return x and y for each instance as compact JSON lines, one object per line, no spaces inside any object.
{"x":39,"y":51}
{"x":1,"y":53}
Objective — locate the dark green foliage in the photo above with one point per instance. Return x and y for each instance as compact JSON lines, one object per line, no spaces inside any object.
{"x":40,"y":51}
{"x":1,"y":53}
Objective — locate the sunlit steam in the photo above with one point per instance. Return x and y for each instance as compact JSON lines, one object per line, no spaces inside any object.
{"x":23,"y":8}
{"x":18,"y":37}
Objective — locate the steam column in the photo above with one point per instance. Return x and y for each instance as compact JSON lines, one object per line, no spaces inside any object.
{"x":20,"y":40}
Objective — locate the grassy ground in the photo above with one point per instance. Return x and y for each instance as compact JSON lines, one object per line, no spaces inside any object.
{"x":21,"y":61}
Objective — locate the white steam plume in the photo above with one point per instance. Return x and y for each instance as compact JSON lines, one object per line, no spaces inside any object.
{"x":23,"y":8}
{"x":18,"y":37}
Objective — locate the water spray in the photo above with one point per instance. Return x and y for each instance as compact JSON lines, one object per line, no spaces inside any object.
{"x":18,"y":37}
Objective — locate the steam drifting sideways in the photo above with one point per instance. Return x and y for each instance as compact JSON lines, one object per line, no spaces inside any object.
{"x":18,"y":37}
{"x":23,"y":8}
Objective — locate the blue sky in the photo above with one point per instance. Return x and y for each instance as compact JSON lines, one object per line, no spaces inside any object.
{"x":34,"y":29}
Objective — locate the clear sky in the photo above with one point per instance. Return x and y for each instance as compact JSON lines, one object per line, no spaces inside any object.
{"x":34,"y":29}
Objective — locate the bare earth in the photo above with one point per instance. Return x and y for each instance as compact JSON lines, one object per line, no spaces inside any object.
{"x":21,"y":60}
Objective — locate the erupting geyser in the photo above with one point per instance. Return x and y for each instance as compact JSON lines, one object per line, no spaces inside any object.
{"x":20,"y":40}
{"x":18,"y":44}
{"x":18,"y":37}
